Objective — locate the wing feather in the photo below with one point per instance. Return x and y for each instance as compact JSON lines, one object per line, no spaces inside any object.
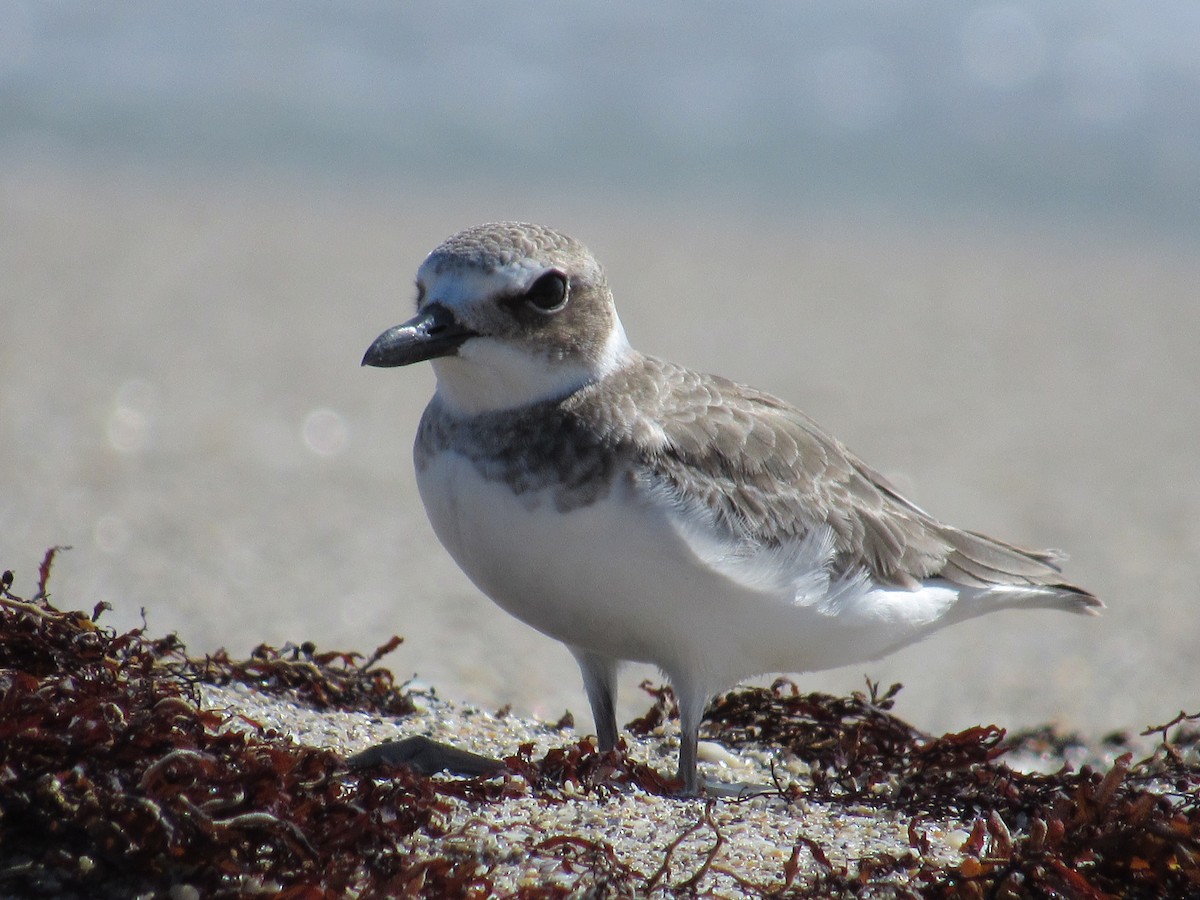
{"x":769,"y":475}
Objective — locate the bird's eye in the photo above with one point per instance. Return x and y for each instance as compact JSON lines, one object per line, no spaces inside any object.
{"x":549,"y":293}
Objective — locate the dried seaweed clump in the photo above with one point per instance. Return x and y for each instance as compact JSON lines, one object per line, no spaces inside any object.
{"x":324,"y":680}
{"x":113,"y":782}
{"x":1133,"y":831}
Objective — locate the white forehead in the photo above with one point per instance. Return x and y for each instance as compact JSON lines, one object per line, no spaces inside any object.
{"x":459,"y":287}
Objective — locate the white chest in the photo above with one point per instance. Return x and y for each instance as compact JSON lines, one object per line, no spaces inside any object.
{"x":612,"y":575}
{"x":621,"y":577}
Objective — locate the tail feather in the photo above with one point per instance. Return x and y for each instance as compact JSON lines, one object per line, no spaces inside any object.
{"x":1077,"y":600}
{"x":975,"y":601}
{"x":978,"y":561}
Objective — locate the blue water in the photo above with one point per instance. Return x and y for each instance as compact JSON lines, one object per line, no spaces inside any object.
{"x":1079,"y":108}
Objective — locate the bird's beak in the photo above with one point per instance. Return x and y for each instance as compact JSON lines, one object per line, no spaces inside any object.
{"x":431,"y":333}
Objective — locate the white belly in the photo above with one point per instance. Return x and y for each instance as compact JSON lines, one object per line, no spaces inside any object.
{"x":591,"y":576}
{"x":616,"y":577}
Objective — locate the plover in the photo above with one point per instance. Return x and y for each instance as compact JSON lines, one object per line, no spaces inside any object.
{"x":637,"y":510}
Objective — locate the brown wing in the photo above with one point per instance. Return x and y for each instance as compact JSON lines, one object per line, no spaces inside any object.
{"x":769,"y":474}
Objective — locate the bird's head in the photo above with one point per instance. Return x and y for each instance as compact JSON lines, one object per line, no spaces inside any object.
{"x":509,"y":313}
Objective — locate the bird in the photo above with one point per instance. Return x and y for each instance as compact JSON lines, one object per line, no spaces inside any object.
{"x":636,"y":510}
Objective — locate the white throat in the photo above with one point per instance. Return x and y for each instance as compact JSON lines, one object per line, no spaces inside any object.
{"x":488,"y":374}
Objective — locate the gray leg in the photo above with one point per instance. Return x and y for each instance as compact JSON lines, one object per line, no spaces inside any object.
{"x":691,"y":711}
{"x":692,"y":703}
{"x":600,"y":682}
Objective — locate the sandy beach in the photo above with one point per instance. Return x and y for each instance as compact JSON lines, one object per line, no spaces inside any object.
{"x":182,"y":404}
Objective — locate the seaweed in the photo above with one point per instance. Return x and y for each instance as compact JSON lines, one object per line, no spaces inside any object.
{"x":1132,"y":831}
{"x":115,"y":781}
{"x":113,"y":777}
{"x":324,"y":680}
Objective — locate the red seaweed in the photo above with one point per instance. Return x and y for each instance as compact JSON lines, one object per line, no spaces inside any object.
{"x":114,"y":781}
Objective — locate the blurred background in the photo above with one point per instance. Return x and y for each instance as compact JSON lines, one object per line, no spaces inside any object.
{"x":962,"y":236}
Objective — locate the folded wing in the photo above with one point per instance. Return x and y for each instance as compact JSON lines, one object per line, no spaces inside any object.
{"x":769,"y":475}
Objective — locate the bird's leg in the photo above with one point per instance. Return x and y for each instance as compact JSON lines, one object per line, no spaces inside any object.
{"x":600,"y":682}
{"x":691,"y":711}
{"x":692,"y":703}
